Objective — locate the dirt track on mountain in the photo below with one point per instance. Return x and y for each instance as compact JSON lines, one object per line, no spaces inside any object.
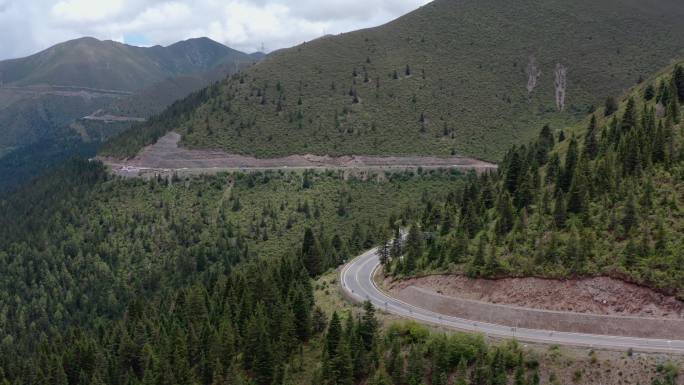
{"x":166,"y":156}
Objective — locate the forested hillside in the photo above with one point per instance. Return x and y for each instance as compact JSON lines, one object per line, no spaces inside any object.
{"x":604,"y":198}
{"x":207,"y":280}
{"x":89,"y":261}
{"x":469,"y":77}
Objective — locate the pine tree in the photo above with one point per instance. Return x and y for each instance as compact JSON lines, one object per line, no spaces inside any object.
{"x":416,"y":367}
{"x":380,"y":378}
{"x":461,"y":372}
{"x":513,"y":172}
{"x":559,"y":212}
{"x":302,"y":315}
{"x":259,"y":355}
{"x":569,"y":167}
{"x":505,"y":220}
{"x":395,"y":363}
{"x":664,"y":94}
{"x":673,"y":110}
{"x":342,"y":366}
{"x":311,"y":254}
{"x":478,"y":262}
{"x":629,"y":118}
{"x":332,"y":337}
{"x":590,"y":141}
{"x":414,"y":248}
{"x":649,"y":92}
{"x":578,"y":196}
{"x":611,"y":106}
{"x":368,"y":326}
{"x":678,"y":81}
{"x":629,"y":216}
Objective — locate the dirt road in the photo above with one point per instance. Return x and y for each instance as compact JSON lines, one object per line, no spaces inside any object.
{"x":166,"y":156}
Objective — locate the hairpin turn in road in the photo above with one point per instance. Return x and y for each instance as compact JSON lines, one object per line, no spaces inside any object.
{"x":357,"y":282}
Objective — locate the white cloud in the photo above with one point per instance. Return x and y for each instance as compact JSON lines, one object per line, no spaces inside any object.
{"x":29,"y":26}
{"x":87,"y":10}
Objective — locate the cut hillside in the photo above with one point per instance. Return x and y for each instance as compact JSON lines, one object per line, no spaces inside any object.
{"x":451,"y":77}
{"x":604,"y":198}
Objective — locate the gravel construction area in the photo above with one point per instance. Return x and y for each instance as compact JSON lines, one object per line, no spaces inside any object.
{"x":597,"y":295}
{"x":167,"y":156}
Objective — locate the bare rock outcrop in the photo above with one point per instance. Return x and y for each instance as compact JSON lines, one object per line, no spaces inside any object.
{"x":561,"y":83}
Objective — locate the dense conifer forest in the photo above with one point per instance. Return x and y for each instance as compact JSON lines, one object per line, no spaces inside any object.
{"x":604,"y":198}
{"x":185,"y":279}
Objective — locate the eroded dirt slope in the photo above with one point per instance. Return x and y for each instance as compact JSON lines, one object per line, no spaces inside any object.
{"x":166,"y":155}
{"x":598,"y":295}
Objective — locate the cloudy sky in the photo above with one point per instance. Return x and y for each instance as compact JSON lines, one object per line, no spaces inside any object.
{"x":27,"y":26}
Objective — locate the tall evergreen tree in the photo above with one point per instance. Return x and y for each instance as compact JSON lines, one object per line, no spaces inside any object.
{"x":414,"y":248}
{"x":571,"y":158}
{"x":629,"y":216}
{"x":678,"y":81}
{"x":368,"y":326}
{"x":505,"y":220}
{"x":311,"y":254}
{"x":513,"y":171}
{"x":590,"y":141}
{"x":629,"y":118}
{"x":610,"y":106}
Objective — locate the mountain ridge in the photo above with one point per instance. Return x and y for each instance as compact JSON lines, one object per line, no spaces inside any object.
{"x":43,"y":97}
{"x":449,"y":78}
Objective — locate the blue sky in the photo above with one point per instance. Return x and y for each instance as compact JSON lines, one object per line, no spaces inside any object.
{"x":28,"y":26}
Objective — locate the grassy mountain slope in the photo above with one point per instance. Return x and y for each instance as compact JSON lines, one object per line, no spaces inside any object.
{"x":36,"y":116}
{"x":607,"y":200}
{"x":465,"y":88}
{"x":155,"y":98}
{"x":88,"y":62}
{"x":63,"y":82}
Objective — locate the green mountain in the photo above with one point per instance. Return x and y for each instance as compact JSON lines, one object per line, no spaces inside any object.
{"x":108,"y":65}
{"x":469,"y":77}
{"x":44,"y":96}
{"x":602,"y":198}
{"x":208,"y":279}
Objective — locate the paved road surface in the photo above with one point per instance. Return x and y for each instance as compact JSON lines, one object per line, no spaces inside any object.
{"x":357,"y":282}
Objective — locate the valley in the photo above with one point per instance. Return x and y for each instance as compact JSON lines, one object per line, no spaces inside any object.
{"x":477,"y":192}
{"x":46,"y":105}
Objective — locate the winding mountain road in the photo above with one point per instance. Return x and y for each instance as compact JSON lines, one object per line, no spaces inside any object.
{"x":357,"y":282}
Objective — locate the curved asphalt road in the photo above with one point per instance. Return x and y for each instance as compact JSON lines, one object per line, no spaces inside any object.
{"x":357,"y":282}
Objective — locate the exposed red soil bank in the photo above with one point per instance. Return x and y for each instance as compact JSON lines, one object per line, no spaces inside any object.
{"x":592,"y":306}
{"x":599,"y":295}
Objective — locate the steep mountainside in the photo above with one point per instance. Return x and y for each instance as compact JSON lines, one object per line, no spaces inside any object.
{"x":463,"y":76}
{"x":603,"y":198}
{"x":109,"y":65}
{"x":41,"y":96}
